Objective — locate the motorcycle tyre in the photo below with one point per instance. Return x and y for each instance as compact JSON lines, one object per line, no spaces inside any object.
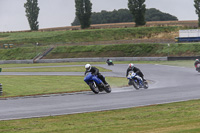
{"x":107,"y":89}
{"x":198,"y":69}
{"x":111,"y":64}
{"x":136,"y":85}
{"x":94,"y":89}
{"x":146,"y":86}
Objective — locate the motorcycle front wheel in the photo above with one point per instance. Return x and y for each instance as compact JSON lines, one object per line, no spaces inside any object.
{"x":136,"y":85}
{"x":94,"y":88}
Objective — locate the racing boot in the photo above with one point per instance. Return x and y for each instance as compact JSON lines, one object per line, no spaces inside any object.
{"x":102,"y":85}
{"x":103,"y":80}
{"x":106,"y":84}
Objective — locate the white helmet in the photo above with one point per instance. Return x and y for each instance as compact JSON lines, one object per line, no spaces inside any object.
{"x":197,"y":60}
{"x":88,"y":67}
{"x":131,"y":65}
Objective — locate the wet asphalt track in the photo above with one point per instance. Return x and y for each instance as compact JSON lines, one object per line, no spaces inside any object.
{"x":168,"y":84}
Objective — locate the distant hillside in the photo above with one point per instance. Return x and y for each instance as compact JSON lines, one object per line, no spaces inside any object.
{"x":124,"y":15}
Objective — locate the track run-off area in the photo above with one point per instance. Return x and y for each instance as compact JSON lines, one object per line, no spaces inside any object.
{"x":166,"y":84}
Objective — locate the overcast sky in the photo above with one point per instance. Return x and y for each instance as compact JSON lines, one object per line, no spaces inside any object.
{"x":58,"y":13}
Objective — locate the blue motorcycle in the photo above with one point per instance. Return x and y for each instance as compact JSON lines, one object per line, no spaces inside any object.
{"x":96,"y":85}
{"x":136,"y":81}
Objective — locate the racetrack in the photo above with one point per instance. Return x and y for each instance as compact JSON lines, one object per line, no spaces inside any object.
{"x":168,"y":84}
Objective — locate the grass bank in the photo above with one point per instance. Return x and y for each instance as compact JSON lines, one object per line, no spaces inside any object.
{"x":21,"y":53}
{"x":125,"y":50}
{"x":117,"y":50}
{"x":181,"y":117}
{"x":62,"y":37}
{"x":29,"y":39}
{"x":46,"y":64}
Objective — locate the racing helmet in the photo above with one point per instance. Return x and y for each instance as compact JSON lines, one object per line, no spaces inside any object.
{"x":197,"y":60}
{"x":88,"y":67}
{"x":131,"y":65}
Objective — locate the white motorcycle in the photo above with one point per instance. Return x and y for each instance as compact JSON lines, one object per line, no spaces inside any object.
{"x":198,"y":68}
{"x":136,"y":81}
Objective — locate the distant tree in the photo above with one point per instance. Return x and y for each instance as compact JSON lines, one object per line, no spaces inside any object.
{"x":138,"y":9}
{"x":124,"y":15}
{"x":197,"y":6}
{"x":115,"y":16}
{"x":83,"y":12}
{"x":32,"y":12}
{"x":153,"y":14}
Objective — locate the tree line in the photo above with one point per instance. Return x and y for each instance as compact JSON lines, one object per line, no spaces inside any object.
{"x":124,"y":15}
{"x":137,"y":9}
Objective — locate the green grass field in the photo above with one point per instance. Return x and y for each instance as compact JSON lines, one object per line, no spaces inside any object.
{"x":184,"y":63}
{"x":52,"y":69}
{"x":47,"y":64}
{"x":181,"y":117}
{"x":180,"y":63}
{"x":37,"y":85}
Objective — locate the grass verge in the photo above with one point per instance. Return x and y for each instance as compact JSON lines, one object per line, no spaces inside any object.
{"x":47,"y":64}
{"x":115,"y":50}
{"x":37,"y":85}
{"x":184,"y":63}
{"x":125,"y":50}
{"x":53,"y":69}
{"x":181,"y":117}
{"x":58,"y":66}
{"x":180,"y":63}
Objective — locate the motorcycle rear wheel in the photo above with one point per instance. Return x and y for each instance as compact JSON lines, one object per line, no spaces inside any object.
{"x":107,"y":89}
{"x":93,"y":88}
{"x":146,"y":86}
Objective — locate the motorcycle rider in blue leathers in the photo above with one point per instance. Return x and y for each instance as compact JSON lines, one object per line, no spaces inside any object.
{"x":95,"y":71}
